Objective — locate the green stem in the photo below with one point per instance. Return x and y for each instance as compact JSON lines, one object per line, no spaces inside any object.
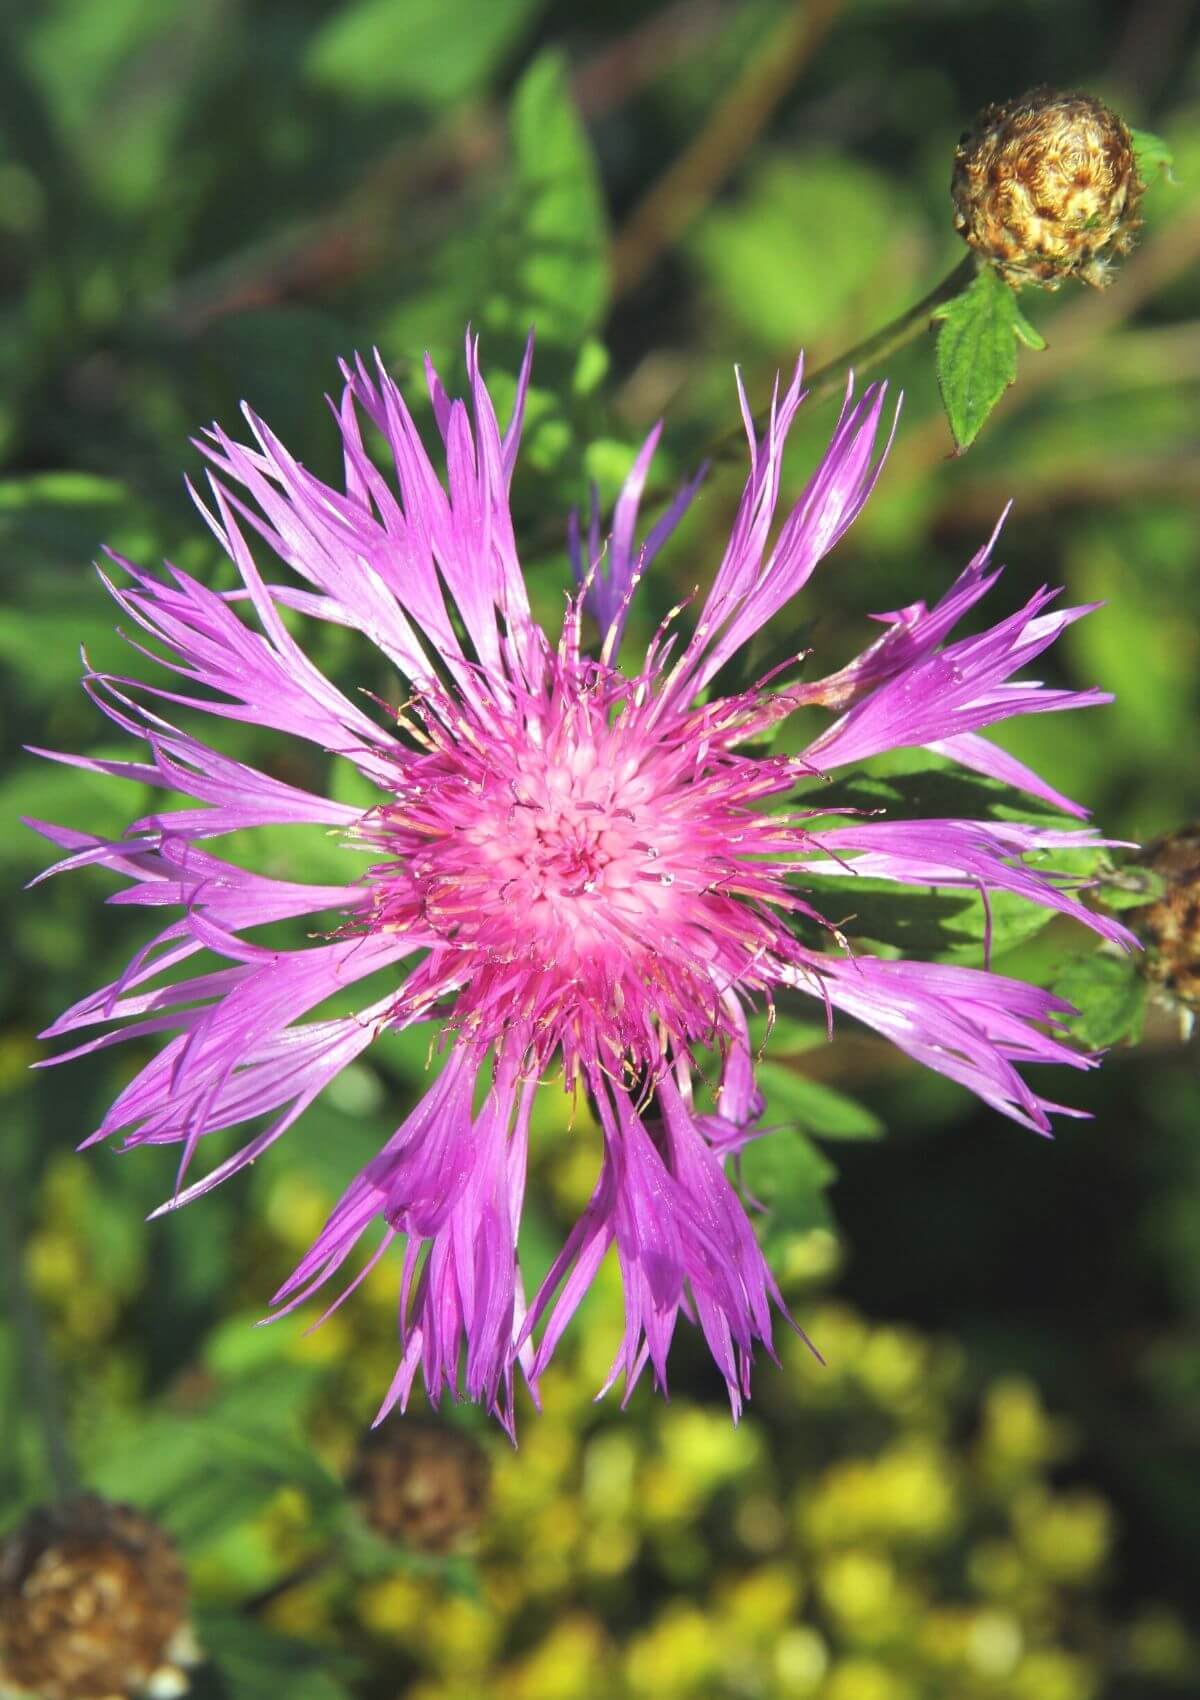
{"x":37,"y":1366}
{"x":830,"y":379}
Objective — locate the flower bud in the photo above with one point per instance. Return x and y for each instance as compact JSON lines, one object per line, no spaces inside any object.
{"x":422,"y":1484}
{"x":1169,"y":925}
{"x":1046,"y":187}
{"x":93,"y":1606}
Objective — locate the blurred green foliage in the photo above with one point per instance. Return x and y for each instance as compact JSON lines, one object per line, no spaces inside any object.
{"x":205,"y":204}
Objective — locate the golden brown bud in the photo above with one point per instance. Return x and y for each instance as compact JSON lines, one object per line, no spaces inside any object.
{"x":1046,"y":187}
{"x":422,"y":1484}
{"x":1169,"y":926}
{"x":93,"y":1606}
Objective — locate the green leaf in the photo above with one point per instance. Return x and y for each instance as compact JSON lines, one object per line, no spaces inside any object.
{"x":61,"y":519}
{"x":944,"y":921}
{"x":815,"y":1107}
{"x":1109,"y":994}
{"x":787,"y":1175}
{"x":204,"y":1475}
{"x":977,"y":352}
{"x":758,"y":254}
{"x":1129,"y":888}
{"x":914,"y":785}
{"x":366,"y":1554}
{"x":549,"y":260}
{"x":1152,"y":154}
{"x":1027,"y":333}
{"x":431,"y":51}
{"x":249,"y":1662}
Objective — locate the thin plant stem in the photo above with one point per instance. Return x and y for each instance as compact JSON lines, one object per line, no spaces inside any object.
{"x":830,"y":379}
{"x":36,"y":1363}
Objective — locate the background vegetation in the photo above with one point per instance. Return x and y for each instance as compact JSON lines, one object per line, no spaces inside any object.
{"x":993,"y":1489}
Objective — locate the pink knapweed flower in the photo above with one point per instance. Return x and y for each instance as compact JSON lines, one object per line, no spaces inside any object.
{"x":572,"y":863}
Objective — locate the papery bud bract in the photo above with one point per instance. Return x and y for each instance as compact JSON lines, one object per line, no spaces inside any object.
{"x":1046,"y":187}
{"x":93,"y":1606}
{"x":423,"y":1485}
{"x":1169,"y":925}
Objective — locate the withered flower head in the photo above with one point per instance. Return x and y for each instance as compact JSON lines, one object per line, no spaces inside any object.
{"x":93,"y":1606}
{"x":424,"y":1485}
{"x":1169,"y":925}
{"x":1046,"y":187}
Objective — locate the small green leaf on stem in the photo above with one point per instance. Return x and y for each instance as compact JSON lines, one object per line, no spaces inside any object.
{"x":786,"y":1174}
{"x":1152,"y":155}
{"x":977,"y":351}
{"x":1026,"y":332}
{"x":1109,"y":995}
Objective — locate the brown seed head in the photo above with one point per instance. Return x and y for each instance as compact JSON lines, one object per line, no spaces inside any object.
{"x":1169,"y":926}
{"x":1046,"y":187}
{"x":93,"y":1605}
{"x":421,"y":1484}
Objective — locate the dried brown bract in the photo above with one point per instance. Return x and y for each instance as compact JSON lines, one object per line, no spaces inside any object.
{"x":1046,"y":187}
{"x":1169,"y":926}
{"x":422,"y":1484}
{"x":93,"y":1606}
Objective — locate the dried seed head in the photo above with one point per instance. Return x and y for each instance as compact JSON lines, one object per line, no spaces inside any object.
{"x":1169,"y":925}
{"x":1046,"y":187}
{"x":422,"y":1484}
{"x":93,"y":1606}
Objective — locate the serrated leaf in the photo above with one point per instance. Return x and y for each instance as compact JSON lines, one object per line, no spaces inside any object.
{"x":976,"y":352}
{"x":203,"y":1475}
{"x":432,"y":51}
{"x":816,"y":1108}
{"x":786,"y":1174}
{"x":1108,"y":993}
{"x":548,"y":264}
{"x":933,"y":920}
{"x":249,"y":1662}
{"x":1152,"y":154}
{"x":1027,"y":332}
{"x":915,"y":785}
{"x":950,"y":922}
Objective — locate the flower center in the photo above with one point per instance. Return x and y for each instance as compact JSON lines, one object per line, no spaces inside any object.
{"x":584,"y":881}
{"x":567,"y":854}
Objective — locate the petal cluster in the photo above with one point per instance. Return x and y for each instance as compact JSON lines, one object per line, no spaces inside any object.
{"x":572,"y":862}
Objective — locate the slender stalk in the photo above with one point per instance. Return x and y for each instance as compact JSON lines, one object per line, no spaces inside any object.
{"x":826,"y":381}
{"x":37,"y":1367}
{"x":830,"y":379}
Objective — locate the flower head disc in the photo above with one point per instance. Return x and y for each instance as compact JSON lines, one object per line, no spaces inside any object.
{"x":590,"y":877}
{"x":570,"y":863}
{"x":1046,"y":187}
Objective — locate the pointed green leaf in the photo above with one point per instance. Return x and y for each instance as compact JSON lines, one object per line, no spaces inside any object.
{"x":786,"y":1174}
{"x":548,"y":261}
{"x":1028,"y":333}
{"x":247,"y":1661}
{"x":431,"y":51}
{"x":1152,"y":155}
{"x":814,"y":1107}
{"x":976,"y":353}
{"x":1128,"y":888}
{"x":1108,"y":993}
